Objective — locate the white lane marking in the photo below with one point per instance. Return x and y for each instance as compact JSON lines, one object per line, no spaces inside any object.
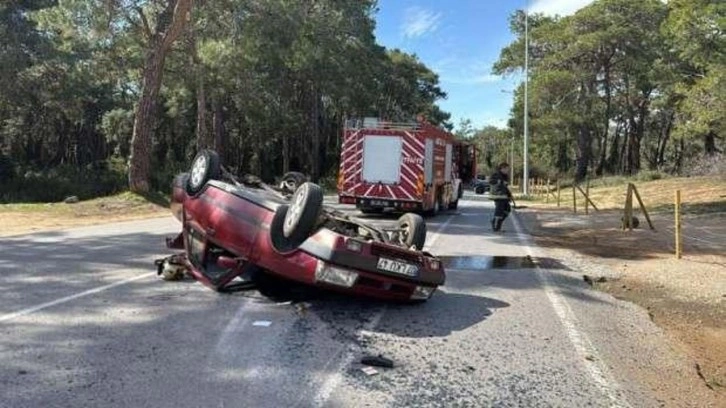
{"x":583,"y":346}
{"x":56,"y":302}
{"x":435,"y":236}
{"x":332,"y":382}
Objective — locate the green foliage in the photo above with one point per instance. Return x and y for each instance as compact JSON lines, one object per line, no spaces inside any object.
{"x":96,"y":179}
{"x":622,"y":85}
{"x":277,"y":79}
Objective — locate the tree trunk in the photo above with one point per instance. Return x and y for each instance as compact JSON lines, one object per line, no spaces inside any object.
{"x":709,"y":143}
{"x":170,"y":24}
{"x":584,"y":147}
{"x":220,"y":133}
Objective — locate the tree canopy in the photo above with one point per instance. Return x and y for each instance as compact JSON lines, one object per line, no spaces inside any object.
{"x":140,"y":85}
{"x":621,"y":86}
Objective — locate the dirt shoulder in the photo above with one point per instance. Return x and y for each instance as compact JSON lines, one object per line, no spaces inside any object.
{"x":17,"y":219}
{"x":686,"y":297}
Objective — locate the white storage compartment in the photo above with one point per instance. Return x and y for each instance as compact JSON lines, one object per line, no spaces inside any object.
{"x":382,"y":159}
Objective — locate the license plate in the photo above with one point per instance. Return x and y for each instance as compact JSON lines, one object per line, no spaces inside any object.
{"x":402,"y":268}
{"x":379,"y":203}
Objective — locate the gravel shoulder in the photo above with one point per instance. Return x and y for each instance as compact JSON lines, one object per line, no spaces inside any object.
{"x":686,"y":297}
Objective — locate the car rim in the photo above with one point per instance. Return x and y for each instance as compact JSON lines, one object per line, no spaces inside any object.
{"x":404,"y":233}
{"x":290,"y":184}
{"x":293,"y":214}
{"x":198,"y":170}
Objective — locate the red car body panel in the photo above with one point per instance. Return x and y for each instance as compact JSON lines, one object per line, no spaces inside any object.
{"x":239,"y":221}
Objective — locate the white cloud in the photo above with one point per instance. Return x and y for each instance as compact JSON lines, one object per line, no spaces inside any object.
{"x":561,"y":7}
{"x":418,"y":22}
{"x":473,"y":80}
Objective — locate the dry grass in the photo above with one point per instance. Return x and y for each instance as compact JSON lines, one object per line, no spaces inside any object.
{"x":698,"y":194}
{"x":25,"y":218}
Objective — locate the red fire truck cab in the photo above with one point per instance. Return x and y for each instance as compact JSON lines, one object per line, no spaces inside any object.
{"x":414,"y":167}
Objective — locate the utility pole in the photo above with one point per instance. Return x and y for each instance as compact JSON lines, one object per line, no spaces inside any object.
{"x":525,"y":154}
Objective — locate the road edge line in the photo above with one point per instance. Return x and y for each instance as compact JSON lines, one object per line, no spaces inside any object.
{"x":584,"y":348}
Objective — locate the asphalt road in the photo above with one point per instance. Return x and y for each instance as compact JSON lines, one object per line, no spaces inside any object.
{"x":85,"y":322}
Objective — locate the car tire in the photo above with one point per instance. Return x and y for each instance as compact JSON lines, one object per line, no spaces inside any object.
{"x":480,"y":189}
{"x":303,"y":212}
{"x":280,"y":243}
{"x":415,"y":230}
{"x":205,"y":167}
{"x":292,"y":180}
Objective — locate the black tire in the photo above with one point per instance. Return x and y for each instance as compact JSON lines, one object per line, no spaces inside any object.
{"x":303,"y":212}
{"x":281,"y":243}
{"x":201,"y":172}
{"x":414,"y":230}
{"x":479,"y":189}
{"x":292,"y":180}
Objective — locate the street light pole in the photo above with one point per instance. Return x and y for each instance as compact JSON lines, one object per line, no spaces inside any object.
{"x":525,"y":181}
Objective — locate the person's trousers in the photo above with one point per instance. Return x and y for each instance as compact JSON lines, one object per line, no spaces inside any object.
{"x":502,"y":208}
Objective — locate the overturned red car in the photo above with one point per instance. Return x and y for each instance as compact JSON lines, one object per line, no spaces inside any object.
{"x":233,"y":227}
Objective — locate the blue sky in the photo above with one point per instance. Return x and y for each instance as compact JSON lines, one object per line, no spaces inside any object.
{"x":460,"y":40}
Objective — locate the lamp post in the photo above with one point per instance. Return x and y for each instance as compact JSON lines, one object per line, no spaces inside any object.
{"x":525,"y":153}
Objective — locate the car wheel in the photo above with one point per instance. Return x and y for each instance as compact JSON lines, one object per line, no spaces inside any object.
{"x":302,"y":216}
{"x":292,"y":180}
{"x":413,"y":230}
{"x":205,"y":167}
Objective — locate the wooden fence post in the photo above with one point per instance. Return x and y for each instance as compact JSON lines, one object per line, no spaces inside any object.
{"x":574,"y":198}
{"x":558,"y":192}
{"x":679,"y":248}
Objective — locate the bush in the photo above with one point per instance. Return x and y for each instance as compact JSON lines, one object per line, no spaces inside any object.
{"x":95,"y":180}
{"x":649,"y":175}
{"x":707,"y":165}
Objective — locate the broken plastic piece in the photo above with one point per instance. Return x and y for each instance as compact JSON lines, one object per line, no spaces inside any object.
{"x":262,"y":323}
{"x":378,"y":361}
{"x":369,"y":370}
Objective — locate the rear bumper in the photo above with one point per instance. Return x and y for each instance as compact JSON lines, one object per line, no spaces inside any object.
{"x":331,"y":247}
{"x":374,"y":202}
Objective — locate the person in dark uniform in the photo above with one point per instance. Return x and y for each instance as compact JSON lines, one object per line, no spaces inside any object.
{"x":499,"y":192}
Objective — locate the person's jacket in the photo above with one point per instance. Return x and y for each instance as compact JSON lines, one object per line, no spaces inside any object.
{"x":499,"y":189}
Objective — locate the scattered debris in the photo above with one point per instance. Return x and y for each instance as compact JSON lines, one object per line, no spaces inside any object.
{"x":71,"y":200}
{"x":302,"y":307}
{"x":378,"y":361}
{"x":262,"y":323}
{"x":589,"y":357}
{"x":587,"y":279}
{"x":22,"y":372}
{"x":601,"y":279}
{"x":369,"y":370}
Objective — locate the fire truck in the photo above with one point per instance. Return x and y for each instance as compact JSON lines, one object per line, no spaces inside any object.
{"x":414,"y":167}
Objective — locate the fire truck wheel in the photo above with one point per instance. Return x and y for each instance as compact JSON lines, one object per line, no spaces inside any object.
{"x":413,"y":230}
{"x":205,"y":167}
{"x":302,"y":216}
